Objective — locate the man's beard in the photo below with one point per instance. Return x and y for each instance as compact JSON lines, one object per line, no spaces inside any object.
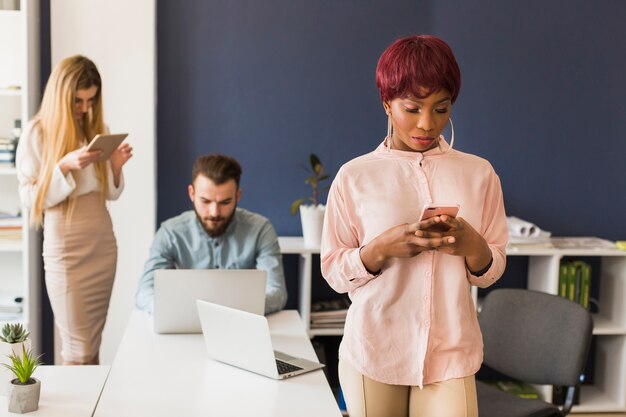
{"x":218,"y":230}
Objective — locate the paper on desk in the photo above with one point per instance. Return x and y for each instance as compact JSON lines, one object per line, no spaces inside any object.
{"x":522,"y":228}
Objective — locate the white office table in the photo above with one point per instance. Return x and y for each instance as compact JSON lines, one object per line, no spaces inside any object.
{"x":171,"y":375}
{"x":66,"y":391}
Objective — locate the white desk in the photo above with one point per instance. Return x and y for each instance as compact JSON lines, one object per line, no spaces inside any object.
{"x":171,"y":375}
{"x":66,"y":391}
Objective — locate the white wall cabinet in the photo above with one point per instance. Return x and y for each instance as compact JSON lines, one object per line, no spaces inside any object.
{"x":607,"y":393}
{"x":19,"y":98}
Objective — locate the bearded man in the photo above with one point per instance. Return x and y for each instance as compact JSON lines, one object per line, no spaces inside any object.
{"x":216,"y":234}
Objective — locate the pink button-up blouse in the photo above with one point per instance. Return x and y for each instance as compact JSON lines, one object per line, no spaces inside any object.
{"x":414,"y":323}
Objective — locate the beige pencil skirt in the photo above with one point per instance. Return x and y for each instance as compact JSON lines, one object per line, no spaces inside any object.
{"x":80,"y":258}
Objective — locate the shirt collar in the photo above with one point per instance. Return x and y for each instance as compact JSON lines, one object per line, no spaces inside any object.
{"x":383,"y":151}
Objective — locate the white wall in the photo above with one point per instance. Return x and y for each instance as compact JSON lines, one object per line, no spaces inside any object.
{"x":120,"y":37}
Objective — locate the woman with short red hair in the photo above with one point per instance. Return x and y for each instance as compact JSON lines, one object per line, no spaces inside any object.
{"x":411,"y":342}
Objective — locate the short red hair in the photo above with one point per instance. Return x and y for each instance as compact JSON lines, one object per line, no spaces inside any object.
{"x":419,"y":65}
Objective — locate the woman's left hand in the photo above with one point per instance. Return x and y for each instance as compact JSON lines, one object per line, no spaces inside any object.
{"x":120,"y":156}
{"x":466,"y":242}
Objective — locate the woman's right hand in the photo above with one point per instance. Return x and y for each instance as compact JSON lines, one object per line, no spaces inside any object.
{"x":398,"y":242}
{"x":78,"y":159}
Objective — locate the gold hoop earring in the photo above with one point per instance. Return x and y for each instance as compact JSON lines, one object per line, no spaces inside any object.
{"x":389,"y":131}
{"x":451,"y":137}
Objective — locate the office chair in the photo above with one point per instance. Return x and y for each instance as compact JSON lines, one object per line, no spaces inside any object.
{"x":532,"y":337}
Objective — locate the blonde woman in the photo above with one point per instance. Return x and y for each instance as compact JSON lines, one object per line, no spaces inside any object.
{"x":66,"y":190}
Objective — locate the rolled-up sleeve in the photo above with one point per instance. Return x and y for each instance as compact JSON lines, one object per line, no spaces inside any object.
{"x":495,"y":231}
{"x":341,"y":262}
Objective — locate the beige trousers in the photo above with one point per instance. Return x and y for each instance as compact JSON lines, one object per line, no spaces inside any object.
{"x":368,"y":398}
{"x":80,"y":258}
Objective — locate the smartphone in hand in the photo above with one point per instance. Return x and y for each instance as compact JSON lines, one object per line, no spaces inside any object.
{"x":432,"y":210}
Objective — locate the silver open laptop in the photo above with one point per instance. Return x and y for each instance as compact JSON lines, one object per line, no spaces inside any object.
{"x":176,"y":292}
{"x":242,"y":339}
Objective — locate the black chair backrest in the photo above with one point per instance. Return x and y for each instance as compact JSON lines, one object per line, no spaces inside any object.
{"x":534,"y":336}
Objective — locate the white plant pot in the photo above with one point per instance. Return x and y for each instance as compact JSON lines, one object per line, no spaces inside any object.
{"x":312,"y":218}
{"x":24,"y":398}
{"x":7,"y":349}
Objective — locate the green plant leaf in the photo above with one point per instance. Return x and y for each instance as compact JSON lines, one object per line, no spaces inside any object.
{"x":13,"y":333}
{"x":316,"y":164}
{"x":296,"y":205}
{"x":24,"y":366}
{"x":317,"y":171}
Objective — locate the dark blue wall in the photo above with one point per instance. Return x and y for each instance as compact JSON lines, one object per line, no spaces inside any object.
{"x":544,"y":84}
{"x":269,"y":82}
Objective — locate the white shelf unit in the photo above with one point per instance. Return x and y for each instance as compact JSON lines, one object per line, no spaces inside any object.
{"x":294,"y":245}
{"x":19,"y":98}
{"x":608,"y":392}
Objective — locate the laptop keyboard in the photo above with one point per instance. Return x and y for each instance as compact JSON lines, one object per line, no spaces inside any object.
{"x":285,"y":368}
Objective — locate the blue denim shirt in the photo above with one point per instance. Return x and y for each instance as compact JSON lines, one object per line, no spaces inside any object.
{"x":250,"y":242}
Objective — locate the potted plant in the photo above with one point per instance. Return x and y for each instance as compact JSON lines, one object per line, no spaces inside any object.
{"x":312,"y":215}
{"x":13,"y":340}
{"x":24,"y":390}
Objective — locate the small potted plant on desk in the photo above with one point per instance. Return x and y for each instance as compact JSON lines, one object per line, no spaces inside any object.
{"x":13,"y":340}
{"x":24,"y":390}
{"x":312,"y":215}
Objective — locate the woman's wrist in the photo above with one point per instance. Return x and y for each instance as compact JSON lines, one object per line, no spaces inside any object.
{"x":64,"y":168}
{"x":117,"y":175}
{"x":481,"y":261}
{"x":372,"y":258}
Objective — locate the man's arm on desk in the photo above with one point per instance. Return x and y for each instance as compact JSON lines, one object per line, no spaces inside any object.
{"x":270,"y":259}
{"x":161,"y":257}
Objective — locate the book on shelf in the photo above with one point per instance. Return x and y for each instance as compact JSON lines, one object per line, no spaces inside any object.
{"x":318,"y":325}
{"x":11,"y":233}
{"x":563,"y":282}
{"x":338,"y":318}
{"x":585,"y":286}
{"x":10,"y":226}
{"x":329,"y":314}
{"x":575,"y":281}
{"x":10,"y":222}
{"x":4,"y":214}
{"x":8,"y":144}
{"x":10,"y":237}
{"x":7,"y":151}
{"x":329,"y":306}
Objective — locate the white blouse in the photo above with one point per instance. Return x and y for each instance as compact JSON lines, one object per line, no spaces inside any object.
{"x":28,"y":163}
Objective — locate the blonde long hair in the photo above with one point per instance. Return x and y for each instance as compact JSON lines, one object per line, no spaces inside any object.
{"x":61,"y":132}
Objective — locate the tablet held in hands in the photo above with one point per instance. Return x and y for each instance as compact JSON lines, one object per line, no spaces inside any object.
{"x":107,"y":143}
